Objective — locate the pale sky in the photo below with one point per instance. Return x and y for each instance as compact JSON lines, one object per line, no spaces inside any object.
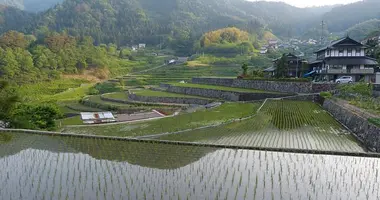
{"x":308,"y":3}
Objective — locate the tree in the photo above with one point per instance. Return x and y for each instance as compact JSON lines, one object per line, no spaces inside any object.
{"x":13,"y":39}
{"x":36,"y":116}
{"x":8,"y":100}
{"x":282,"y":67}
{"x":245,"y":69}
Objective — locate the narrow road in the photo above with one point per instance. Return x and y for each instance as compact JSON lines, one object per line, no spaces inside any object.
{"x":147,"y":70}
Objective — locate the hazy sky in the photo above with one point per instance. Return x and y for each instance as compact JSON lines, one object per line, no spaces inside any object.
{"x":306,"y":3}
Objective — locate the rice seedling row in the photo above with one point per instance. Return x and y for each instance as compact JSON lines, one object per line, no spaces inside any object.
{"x":46,"y":167}
{"x":280,"y":124}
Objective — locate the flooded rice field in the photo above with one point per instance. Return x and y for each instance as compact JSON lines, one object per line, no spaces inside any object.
{"x":280,"y":124}
{"x":47,"y":167}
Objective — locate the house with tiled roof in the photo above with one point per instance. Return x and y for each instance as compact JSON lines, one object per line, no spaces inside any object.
{"x":344,"y":57}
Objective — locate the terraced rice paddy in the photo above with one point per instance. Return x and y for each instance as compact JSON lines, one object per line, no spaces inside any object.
{"x":46,"y":167}
{"x":280,"y":124}
{"x":181,"y":122}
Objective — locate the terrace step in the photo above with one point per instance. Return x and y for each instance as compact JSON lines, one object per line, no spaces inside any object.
{"x":221,"y":92}
{"x":131,"y":101}
{"x":155,"y":96}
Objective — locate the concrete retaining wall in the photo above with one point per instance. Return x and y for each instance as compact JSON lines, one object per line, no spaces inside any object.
{"x":364,"y":130}
{"x":275,"y":86}
{"x":176,"y":100}
{"x":220,"y":94}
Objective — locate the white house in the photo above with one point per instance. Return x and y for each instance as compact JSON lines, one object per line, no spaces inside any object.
{"x":263,"y":50}
{"x":142,"y":46}
{"x":344,"y":57}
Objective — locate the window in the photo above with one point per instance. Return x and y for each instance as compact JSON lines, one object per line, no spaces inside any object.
{"x":358,"y":51}
{"x":341,"y":51}
{"x":328,"y":52}
{"x":349,"y":51}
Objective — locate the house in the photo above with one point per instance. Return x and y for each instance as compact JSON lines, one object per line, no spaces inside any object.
{"x":97,"y":117}
{"x":344,"y":57}
{"x":142,"y":46}
{"x":134,"y":48}
{"x":295,"y":66}
{"x":263,"y":50}
{"x":181,"y":60}
{"x":273,"y":44}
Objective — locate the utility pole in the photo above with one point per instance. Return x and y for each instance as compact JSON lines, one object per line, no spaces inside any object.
{"x":322,"y":35}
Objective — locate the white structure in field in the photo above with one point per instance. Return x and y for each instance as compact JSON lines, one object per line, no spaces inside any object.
{"x":263,"y":50}
{"x":142,"y":46}
{"x":97,"y":117}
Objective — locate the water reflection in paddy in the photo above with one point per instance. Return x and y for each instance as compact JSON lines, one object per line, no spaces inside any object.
{"x":41,"y":167}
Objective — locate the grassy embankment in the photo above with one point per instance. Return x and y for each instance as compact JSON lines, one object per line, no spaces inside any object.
{"x":182,"y":122}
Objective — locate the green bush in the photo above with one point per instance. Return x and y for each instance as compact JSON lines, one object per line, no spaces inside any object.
{"x":93,"y":91}
{"x":327,"y":95}
{"x":41,"y":117}
{"x":107,"y":87}
{"x":362,"y":89}
{"x":375,"y":121}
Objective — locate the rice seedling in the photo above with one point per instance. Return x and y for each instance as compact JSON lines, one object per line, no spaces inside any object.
{"x":280,"y":124}
{"x":76,"y":168}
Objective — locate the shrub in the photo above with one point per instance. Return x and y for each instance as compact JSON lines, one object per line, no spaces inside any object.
{"x":375,"y":121}
{"x":327,"y":95}
{"x":36,"y":116}
{"x":107,"y":87}
{"x":357,"y":89}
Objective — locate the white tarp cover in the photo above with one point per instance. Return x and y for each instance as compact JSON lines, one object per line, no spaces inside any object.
{"x":96,"y":115}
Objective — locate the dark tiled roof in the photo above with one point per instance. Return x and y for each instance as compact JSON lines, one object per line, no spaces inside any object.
{"x":351,"y":61}
{"x":315,"y":62}
{"x":270,"y":69}
{"x":339,"y":41}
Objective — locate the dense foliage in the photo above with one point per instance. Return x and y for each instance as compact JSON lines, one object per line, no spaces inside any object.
{"x":19,"y":115}
{"x":362,"y":30}
{"x":343,"y":17}
{"x":25,"y":59}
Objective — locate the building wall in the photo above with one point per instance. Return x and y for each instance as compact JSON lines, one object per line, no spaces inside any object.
{"x":335,"y":52}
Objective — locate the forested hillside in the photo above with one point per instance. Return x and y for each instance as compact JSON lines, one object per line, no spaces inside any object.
{"x":13,"y":3}
{"x":343,"y":17}
{"x":12,"y":18}
{"x":23,"y":59}
{"x":174,"y":22}
{"x":362,"y":30}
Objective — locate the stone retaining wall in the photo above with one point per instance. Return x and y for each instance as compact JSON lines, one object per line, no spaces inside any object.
{"x":368,"y":133}
{"x":175,"y":100}
{"x":137,"y":102}
{"x":322,"y":87}
{"x":220,"y":94}
{"x":275,"y":86}
{"x":376,"y":90}
{"x":287,"y":87}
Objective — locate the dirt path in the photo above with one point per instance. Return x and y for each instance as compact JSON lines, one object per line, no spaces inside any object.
{"x":147,"y":70}
{"x":361,"y":112}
